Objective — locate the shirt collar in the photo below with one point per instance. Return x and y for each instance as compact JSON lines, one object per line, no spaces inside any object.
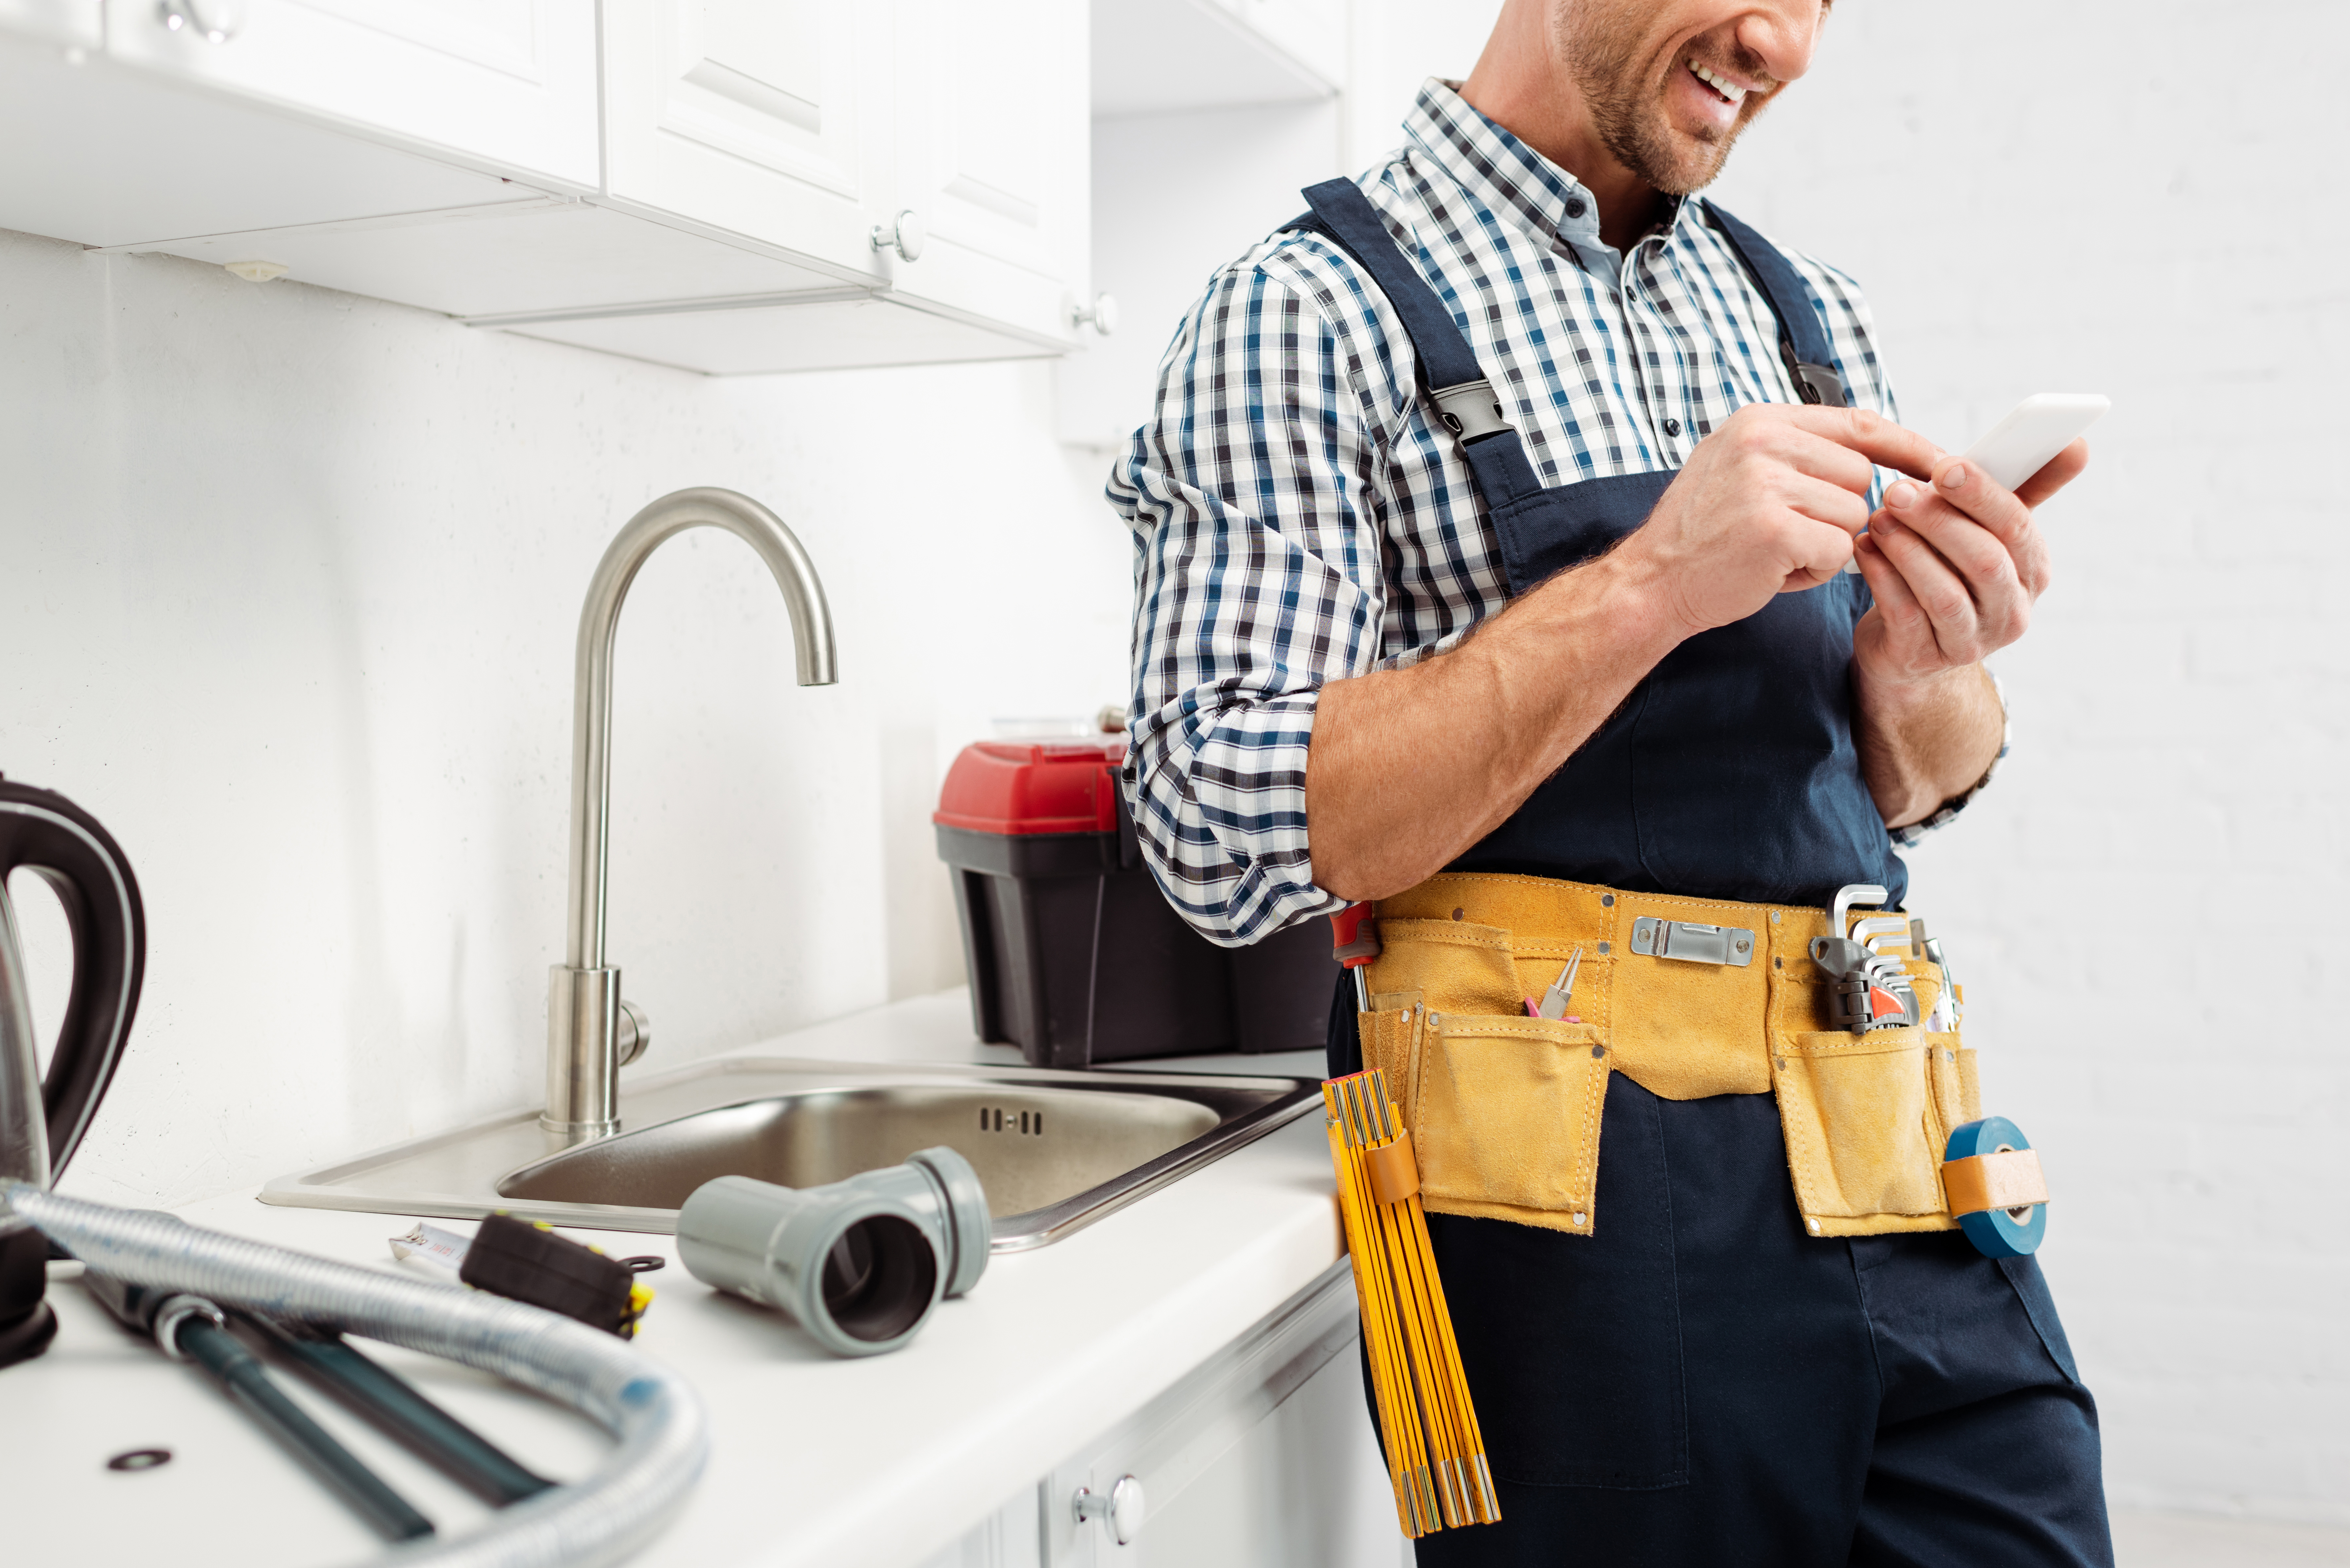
{"x":1505,"y":176}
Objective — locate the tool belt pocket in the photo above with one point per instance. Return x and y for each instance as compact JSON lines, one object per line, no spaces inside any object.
{"x":1866,"y":1117}
{"x":1504,"y":1112}
{"x":1958,"y":1093}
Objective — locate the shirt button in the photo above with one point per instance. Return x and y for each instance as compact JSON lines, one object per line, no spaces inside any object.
{"x":1574,"y":206}
{"x":1673,"y":427}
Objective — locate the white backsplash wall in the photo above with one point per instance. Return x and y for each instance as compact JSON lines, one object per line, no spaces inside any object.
{"x":2126,"y":200}
{"x":288,"y":588}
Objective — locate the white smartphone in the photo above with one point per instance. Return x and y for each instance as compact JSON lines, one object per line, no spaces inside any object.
{"x":2034,"y":432}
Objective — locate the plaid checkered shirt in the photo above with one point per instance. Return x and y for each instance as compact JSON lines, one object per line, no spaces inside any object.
{"x":1298,"y":518}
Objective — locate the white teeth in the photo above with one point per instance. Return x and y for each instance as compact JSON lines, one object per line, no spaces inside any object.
{"x":1733,"y":94}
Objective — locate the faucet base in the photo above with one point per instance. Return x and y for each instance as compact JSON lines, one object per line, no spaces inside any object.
{"x":583,"y":1050}
{"x":580,"y":1132}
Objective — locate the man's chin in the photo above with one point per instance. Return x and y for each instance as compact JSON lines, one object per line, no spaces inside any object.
{"x":1679,"y":161}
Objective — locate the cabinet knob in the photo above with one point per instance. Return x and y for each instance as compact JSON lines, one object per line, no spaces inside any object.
{"x":215,"y":21}
{"x":903,"y":234}
{"x":1101,"y":315}
{"x":1120,"y":1512}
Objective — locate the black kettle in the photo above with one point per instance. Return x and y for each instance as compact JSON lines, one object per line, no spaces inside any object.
{"x":42,"y":1119}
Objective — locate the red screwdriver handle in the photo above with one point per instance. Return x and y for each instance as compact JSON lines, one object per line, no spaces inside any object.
{"x":1354,"y":936}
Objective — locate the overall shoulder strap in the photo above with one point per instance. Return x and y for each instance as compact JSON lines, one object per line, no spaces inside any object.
{"x":1465,"y":398}
{"x":1801,"y":342}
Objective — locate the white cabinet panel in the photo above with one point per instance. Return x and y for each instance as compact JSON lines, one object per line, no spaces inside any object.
{"x":736,"y":338}
{"x":102,"y":155}
{"x":992,"y":153}
{"x":1312,"y":31}
{"x":758,"y":118}
{"x":1261,"y":1455}
{"x":79,"y":24}
{"x":527,"y":258}
{"x":1154,"y":56}
{"x":506,"y":84}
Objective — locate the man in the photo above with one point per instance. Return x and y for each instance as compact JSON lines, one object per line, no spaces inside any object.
{"x":1491,"y":544}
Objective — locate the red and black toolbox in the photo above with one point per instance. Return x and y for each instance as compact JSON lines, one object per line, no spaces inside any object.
{"x":1075,"y":955}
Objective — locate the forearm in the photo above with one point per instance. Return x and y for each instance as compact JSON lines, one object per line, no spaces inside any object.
{"x":1410,"y":767}
{"x":1924,"y":741}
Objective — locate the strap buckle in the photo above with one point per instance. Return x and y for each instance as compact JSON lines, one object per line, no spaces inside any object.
{"x":1469,"y":410}
{"x":1694,"y":943}
{"x":1815,"y":383}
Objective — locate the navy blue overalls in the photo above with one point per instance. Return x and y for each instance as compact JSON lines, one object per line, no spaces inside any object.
{"x":1700,"y":1382}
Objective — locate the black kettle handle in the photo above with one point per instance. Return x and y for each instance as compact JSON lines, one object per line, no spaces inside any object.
{"x":45,"y":832}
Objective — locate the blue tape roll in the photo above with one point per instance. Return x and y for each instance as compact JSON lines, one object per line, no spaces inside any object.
{"x":1994,"y":1233}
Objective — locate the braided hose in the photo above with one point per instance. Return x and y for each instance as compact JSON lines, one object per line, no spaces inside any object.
{"x":654,"y":1415}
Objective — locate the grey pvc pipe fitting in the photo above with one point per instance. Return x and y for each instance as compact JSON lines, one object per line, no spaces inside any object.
{"x":860,"y":1264}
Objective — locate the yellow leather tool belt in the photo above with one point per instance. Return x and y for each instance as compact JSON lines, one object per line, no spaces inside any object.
{"x":1504,"y":1109}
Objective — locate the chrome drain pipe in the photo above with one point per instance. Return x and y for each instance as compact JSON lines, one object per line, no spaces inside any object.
{"x":654,"y":1414}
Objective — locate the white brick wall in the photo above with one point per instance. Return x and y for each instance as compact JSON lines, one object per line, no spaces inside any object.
{"x":2137,"y":200}
{"x":2140,"y":199}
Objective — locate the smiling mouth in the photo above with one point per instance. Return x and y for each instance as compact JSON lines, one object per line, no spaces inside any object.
{"x":1720,"y":86}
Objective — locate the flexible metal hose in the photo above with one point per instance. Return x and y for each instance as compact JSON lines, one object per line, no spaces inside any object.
{"x":656,"y":1416}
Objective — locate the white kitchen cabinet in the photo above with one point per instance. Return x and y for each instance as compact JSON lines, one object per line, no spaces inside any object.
{"x":991,"y":151}
{"x":75,"y":24}
{"x":1262,"y":1458}
{"x":1160,"y":56}
{"x":105,"y":155}
{"x":767,"y":120}
{"x":714,"y":209}
{"x":508,"y":85}
{"x":1311,"y":32}
{"x":806,"y":125}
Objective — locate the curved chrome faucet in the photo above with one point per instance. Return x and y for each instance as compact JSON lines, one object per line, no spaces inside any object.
{"x":590,"y":1030}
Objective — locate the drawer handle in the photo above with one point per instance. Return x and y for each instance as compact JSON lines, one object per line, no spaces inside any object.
{"x":214,"y":21}
{"x":1101,"y":316}
{"x":903,"y":234}
{"x":1120,"y":1512}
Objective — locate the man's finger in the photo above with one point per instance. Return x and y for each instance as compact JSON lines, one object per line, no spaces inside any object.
{"x":1939,"y":591}
{"x":2055,"y":473}
{"x":1966,"y":486}
{"x":1827,"y":460}
{"x":1871,"y":434}
{"x":1821,"y":550}
{"x":1895,"y":602}
{"x":1985,"y":558}
{"x":1824,"y":501}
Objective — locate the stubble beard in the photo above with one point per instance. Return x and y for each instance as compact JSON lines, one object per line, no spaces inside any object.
{"x":1600,"y":40}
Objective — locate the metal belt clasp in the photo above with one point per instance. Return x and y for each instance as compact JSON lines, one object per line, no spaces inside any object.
{"x":1694,"y":943}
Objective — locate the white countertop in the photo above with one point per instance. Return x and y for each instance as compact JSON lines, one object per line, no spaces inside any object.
{"x":880,"y":1461}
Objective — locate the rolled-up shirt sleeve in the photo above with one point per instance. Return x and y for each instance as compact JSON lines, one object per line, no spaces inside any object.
{"x":1254,"y":499}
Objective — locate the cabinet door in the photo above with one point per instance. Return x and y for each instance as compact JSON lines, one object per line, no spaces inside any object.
{"x":508,"y":85}
{"x":77,"y":24}
{"x":767,"y":120}
{"x":1312,"y":31}
{"x":1262,"y":1457}
{"x":993,"y":137}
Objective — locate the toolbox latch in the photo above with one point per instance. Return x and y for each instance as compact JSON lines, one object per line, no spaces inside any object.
{"x":1694,"y":943}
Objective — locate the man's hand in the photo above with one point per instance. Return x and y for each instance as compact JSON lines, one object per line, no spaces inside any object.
{"x":1769,"y":503}
{"x":1955,"y":565}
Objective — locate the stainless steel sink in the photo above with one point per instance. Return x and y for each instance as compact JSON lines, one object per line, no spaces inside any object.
{"x":1056,"y":1151}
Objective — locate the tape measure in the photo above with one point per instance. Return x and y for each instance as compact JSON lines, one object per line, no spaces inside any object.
{"x":1991,"y":1179}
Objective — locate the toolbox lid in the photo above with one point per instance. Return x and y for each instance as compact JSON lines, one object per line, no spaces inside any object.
{"x":1033,"y":786}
